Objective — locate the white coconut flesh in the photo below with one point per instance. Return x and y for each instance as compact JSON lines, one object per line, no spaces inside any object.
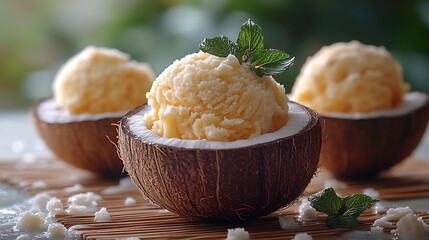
{"x":299,"y":118}
{"x":49,"y":112}
{"x":411,"y":102}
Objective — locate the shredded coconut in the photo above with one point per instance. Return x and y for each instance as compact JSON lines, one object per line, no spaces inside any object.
{"x":288,"y":222}
{"x":334,"y":183}
{"x":28,"y":221}
{"x":83,"y":203}
{"x":75,"y":188}
{"x":39,"y":201}
{"x":102,"y":216}
{"x":376,"y":231}
{"x":412,"y":227}
{"x":394,"y":214}
{"x":129,"y":201}
{"x":56,"y":230}
{"x":237,"y":234}
{"x":54,"y":206}
{"x":372,"y":193}
{"x":125,"y":185}
{"x":306,"y":211}
{"x":383,"y":223}
{"x":302,"y":236}
{"x":76,"y":210}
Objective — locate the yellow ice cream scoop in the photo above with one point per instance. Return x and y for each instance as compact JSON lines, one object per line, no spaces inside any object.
{"x":99,"y":80}
{"x":350,"y":77}
{"x":202,"y":96}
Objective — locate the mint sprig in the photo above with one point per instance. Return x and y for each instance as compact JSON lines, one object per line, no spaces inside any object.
{"x":249,"y":49}
{"x":342,"y":212}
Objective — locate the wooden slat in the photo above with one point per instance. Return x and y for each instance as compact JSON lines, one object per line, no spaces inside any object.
{"x":147,"y":221}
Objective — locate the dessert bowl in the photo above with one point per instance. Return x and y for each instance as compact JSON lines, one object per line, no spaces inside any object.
{"x":362,"y":145}
{"x":369,"y":118}
{"x":217,"y":181}
{"x":84,"y":141}
{"x":92,"y":91}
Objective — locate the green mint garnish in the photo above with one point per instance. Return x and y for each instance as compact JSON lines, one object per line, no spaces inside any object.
{"x":249,"y":49}
{"x":342,"y":212}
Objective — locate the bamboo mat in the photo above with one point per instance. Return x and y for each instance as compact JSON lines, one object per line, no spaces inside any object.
{"x":147,"y":221}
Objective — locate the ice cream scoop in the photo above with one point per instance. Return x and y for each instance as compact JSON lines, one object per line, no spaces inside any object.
{"x":100,"y":80}
{"x":92,"y":91}
{"x":350,"y":77}
{"x":370,"y":121}
{"x":202,"y":96}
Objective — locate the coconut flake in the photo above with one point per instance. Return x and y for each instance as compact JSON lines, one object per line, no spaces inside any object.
{"x":306,"y":211}
{"x":334,"y":183}
{"x":129,"y":201}
{"x":288,"y":222}
{"x":125,"y":185}
{"x":372,"y":193}
{"x":49,"y":112}
{"x":88,"y":199}
{"x":28,"y":221}
{"x":73,"y":231}
{"x":394,"y":214}
{"x":83,"y":203}
{"x":75,"y":188}
{"x":237,"y":234}
{"x":39,"y":201}
{"x":56,"y":230}
{"x":376,"y":231}
{"x":54,"y":206}
{"x":102,"y":216}
{"x":298,"y":119}
{"x":412,"y":227}
{"x":382,"y":223}
{"x":302,"y":236}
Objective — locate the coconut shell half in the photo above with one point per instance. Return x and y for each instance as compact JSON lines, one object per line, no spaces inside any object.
{"x":218,"y":181}
{"x":362,"y":146}
{"x":82,"y":143}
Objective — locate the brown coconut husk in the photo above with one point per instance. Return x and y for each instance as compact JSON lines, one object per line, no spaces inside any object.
{"x":84,"y":144}
{"x":362,"y":148}
{"x":223,"y":184}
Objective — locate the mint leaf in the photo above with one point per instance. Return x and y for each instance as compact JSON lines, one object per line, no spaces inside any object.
{"x":218,"y":46}
{"x":342,"y":212}
{"x":271,"y":62}
{"x":250,"y":39}
{"x":355,"y":204}
{"x":249,"y":49}
{"x":339,"y":221}
{"x":326,"y":201}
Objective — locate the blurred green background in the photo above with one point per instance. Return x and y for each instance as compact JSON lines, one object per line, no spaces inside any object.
{"x":38,"y":36}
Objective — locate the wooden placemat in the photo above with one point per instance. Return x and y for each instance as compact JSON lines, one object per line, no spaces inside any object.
{"x":147,"y":221}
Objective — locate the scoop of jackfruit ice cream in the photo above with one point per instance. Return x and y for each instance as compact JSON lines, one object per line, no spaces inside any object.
{"x":100,"y":80}
{"x":350,"y":78}
{"x":202,"y":96}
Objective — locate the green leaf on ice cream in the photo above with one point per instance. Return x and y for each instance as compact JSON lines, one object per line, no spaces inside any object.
{"x":218,"y":46}
{"x":249,"y":50}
